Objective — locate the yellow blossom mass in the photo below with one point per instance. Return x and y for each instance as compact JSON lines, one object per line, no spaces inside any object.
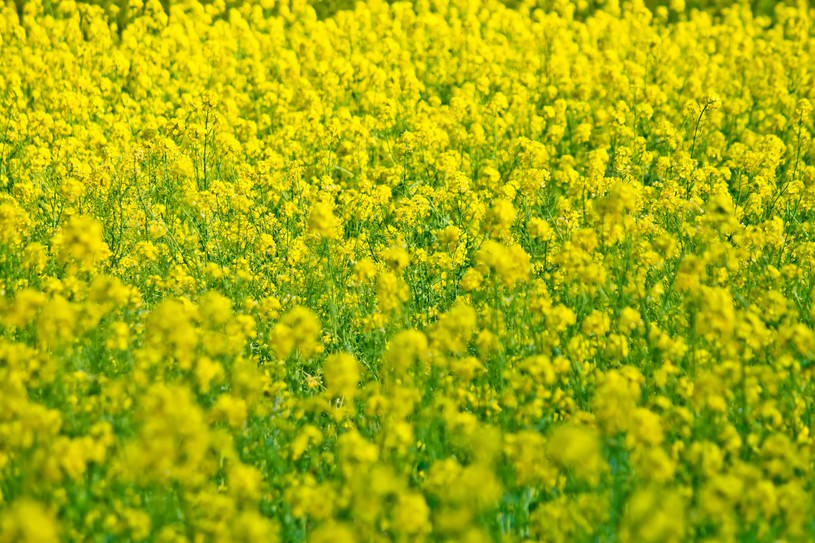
{"x":430,"y":271}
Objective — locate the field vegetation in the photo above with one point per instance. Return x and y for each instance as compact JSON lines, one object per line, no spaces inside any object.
{"x":448,"y":270}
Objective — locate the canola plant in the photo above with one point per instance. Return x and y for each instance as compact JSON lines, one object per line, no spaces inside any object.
{"x":443,"y":270}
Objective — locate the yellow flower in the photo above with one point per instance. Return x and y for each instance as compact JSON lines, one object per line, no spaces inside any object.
{"x":510,"y":264}
{"x":14,"y":222}
{"x":540,"y":230}
{"x":298,"y":330}
{"x":615,"y":399}
{"x":454,"y":329}
{"x":396,"y":258}
{"x":411,"y":515}
{"x":499,"y":218}
{"x":80,"y":243}
{"x":364,"y":271}
{"x":28,"y":521}
{"x":391,"y":291}
{"x":323,"y":222}
{"x":654,"y":514}
{"x":57,"y":322}
{"x":171,"y":332}
{"x":342,"y":374}
{"x":333,"y":533}
{"x":405,"y":349}
{"x":577,"y":448}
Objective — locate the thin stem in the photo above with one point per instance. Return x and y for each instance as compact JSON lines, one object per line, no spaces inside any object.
{"x":696,"y":128}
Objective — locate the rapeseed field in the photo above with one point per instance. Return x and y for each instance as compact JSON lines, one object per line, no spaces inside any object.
{"x":442,"y":271}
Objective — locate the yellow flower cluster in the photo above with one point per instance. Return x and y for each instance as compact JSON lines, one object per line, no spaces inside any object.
{"x":443,"y":270}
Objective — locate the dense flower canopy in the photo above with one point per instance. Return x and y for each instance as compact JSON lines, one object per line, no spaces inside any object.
{"x":447,"y":270}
